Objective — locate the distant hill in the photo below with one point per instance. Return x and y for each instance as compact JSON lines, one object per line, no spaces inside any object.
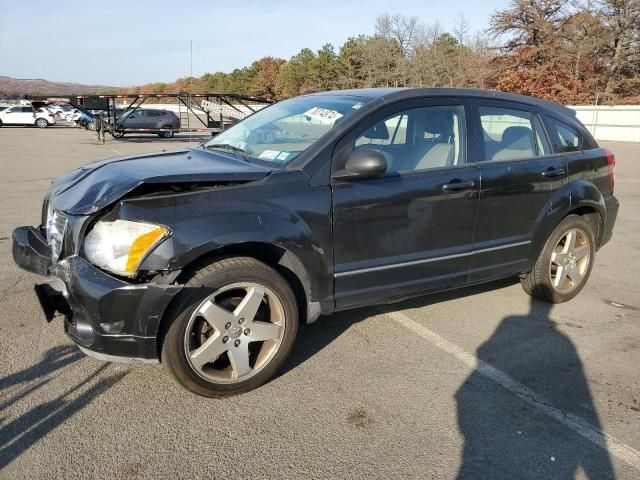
{"x":17,"y":87}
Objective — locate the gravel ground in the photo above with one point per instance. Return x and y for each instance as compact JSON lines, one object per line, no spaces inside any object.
{"x":479,"y":383}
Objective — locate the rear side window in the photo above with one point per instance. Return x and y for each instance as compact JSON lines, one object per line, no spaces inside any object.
{"x":27,"y":109}
{"x":510,"y":134}
{"x":569,"y":140}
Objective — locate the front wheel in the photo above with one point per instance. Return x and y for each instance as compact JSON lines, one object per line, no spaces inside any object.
{"x":42,"y":123}
{"x":117,"y":134}
{"x":231,"y":328}
{"x":565,"y":263}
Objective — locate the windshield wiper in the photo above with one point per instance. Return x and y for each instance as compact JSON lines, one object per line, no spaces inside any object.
{"x":228,"y":146}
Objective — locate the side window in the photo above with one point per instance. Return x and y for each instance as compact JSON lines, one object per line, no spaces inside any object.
{"x":27,"y":109}
{"x":569,"y":139}
{"x":418,"y":138}
{"x":510,"y":134}
{"x":392,"y":131}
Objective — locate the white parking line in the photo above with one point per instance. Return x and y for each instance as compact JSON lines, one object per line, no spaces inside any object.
{"x":579,"y":425}
{"x":116,"y":151}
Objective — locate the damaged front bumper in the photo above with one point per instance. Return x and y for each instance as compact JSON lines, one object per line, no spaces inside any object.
{"x":107,"y":317}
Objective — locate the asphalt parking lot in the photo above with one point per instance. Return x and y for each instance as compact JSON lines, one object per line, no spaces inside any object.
{"x":479,"y":383}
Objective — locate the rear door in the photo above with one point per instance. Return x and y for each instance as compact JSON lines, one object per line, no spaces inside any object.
{"x":151,"y":119}
{"x":28,"y":115}
{"x":410,"y":230}
{"x":520,"y":175}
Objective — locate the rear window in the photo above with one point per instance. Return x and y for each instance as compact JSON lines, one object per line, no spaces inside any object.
{"x":568,"y":138}
{"x":511,"y":134}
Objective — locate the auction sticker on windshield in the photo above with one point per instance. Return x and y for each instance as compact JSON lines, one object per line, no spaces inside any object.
{"x":324,"y":115}
{"x":269,"y":154}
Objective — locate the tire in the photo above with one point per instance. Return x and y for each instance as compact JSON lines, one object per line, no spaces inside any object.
{"x":225,"y":282}
{"x":117,"y":134}
{"x":269,"y":137}
{"x":41,"y":123}
{"x":562,"y":270}
{"x":167,"y":134}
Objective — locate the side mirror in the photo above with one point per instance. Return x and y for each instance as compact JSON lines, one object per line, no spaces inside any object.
{"x":363,"y":163}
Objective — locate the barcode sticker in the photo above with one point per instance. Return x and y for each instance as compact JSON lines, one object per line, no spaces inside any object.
{"x":324,"y":115}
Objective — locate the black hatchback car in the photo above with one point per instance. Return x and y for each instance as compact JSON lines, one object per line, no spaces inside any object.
{"x":207,"y":258}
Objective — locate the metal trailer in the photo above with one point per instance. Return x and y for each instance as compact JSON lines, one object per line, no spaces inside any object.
{"x":220,"y":110}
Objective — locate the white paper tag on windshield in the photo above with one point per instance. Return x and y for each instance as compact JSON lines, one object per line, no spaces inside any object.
{"x":269,"y":154}
{"x":324,"y":115}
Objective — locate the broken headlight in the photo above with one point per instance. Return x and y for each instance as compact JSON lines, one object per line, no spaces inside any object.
{"x":121,"y":245}
{"x":55,"y":228}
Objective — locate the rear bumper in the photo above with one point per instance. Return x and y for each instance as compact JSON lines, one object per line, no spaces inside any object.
{"x":612,"y":205}
{"x":108,"y":317}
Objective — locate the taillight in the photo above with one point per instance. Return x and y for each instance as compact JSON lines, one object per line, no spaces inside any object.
{"x":611,"y":162}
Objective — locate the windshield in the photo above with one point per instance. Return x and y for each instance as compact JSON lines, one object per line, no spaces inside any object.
{"x":283,"y":131}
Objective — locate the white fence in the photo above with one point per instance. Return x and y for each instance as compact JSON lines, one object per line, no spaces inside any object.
{"x":621,"y":122}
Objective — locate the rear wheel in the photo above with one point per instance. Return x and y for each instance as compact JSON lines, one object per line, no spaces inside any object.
{"x":167,"y":133}
{"x":42,"y":123}
{"x":565,"y":263}
{"x":117,"y":134}
{"x":232,"y":327}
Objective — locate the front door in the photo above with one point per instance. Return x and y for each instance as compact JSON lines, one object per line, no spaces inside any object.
{"x":410,"y":230}
{"x":520,"y":175}
{"x":20,"y":115}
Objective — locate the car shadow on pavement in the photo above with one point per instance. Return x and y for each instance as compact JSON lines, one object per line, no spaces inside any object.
{"x":508,"y":437}
{"x":314,"y":337}
{"x":20,"y":433}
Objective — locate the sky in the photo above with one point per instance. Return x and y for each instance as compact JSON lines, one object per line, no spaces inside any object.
{"x":124,"y":43}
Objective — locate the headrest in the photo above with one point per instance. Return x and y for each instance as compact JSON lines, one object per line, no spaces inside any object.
{"x":518,"y":138}
{"x":377,"y":132}
{"x":439,"y":123}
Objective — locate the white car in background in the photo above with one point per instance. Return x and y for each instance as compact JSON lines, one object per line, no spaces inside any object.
{"x":72,"y":115}
{"x":26,"y":115}
{"x":60,"y":109}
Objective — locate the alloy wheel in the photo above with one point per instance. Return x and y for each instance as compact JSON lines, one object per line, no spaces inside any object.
{"x":570,"y":259}
{"x":234,"y":332}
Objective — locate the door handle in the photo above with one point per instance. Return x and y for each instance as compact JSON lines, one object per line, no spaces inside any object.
{"x":457,"y":185}
{"x":553,"y":172}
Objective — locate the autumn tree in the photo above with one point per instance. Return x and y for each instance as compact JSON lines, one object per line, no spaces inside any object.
{"x":568,"y":51}
{"x":265,"y":76}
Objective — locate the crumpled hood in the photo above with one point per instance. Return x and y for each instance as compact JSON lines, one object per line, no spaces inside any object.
{"x":92,"y":187}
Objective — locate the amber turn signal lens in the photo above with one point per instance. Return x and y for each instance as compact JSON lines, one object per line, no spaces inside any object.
{"x":141,"y":246}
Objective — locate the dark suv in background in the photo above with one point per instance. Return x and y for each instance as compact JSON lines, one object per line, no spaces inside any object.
{"x":207,"y":258}
{"x":163,"y":123}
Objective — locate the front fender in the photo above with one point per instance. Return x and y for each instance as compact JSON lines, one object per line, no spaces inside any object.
{"x":295,"y":218}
